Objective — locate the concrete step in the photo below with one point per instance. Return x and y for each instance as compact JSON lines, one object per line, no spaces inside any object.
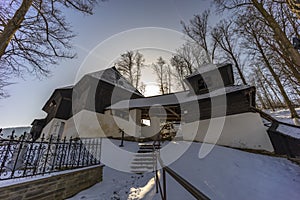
{"x":139,"y":171}
{"x":149,"y":147}
{"x":142,"y":159}
{"x":142,"y":163}
{"x":145,"y":155}
{"x":145,"y":151}
{"x":148,"y":144}
{"x":141,"y":167}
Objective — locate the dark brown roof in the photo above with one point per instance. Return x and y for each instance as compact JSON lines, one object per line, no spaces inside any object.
{"x":207,"y":68}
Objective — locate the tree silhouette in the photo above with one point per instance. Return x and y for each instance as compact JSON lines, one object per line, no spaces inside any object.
{"x":35,"y":34}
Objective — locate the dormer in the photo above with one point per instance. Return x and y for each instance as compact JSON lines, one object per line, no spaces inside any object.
{"x":210,"y":77}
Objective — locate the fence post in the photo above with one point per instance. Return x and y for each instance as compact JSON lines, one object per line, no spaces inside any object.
{"x":122,"y":139}
{"x":79,"y":154}
{"x":62,"y":147}
{"x":68,"y":151}
{"x":15,"y":159}
{"x":55,"y":153}
{"x":84,"y":150}
{"x":47,"y":153}
{"x":5,"y":156}
{"x":164,"y":184}
{"x":28,"y":157}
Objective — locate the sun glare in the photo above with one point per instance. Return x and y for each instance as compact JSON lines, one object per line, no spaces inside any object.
{"x":151,"y":89}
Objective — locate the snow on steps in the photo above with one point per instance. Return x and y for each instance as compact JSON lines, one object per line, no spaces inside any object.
{"x":144,"y":159}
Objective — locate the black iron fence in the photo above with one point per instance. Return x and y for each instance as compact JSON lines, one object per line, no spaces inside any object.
{"x":23,"y":158}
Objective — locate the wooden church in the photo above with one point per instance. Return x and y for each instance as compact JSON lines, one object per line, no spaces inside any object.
{"x":103,"y":103}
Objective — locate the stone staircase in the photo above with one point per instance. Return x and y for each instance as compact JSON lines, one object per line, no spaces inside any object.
{"x":144,"y":160}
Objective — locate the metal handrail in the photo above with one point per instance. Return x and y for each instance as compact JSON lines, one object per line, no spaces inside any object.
{"x":184,"y":183}
{"x":155,"y":169}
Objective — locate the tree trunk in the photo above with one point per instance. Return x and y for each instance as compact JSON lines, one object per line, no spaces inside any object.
{"x":277,"y":80}
{"x":13,"y":25}
{"x":239,"y":70}
{"x":266,"y":94}
{"x":271,"y":87}
{"x":169,"y":79}
{"x":280,"y":36}
{"x":261,"y":100}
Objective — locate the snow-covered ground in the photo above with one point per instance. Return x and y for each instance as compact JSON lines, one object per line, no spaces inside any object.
{"x":120,"y":185}
{"x":224,"y":174}
{"x":233,"y":174}
{"x":282,"y":115}
{"x":6,"y":132}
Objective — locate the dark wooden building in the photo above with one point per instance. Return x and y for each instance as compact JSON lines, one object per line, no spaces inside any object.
{"x":37,"y":127}
{"x":97,"y":90}
{"x":94,"y":92}
{"x":211,"y":83}
{"x":210,"y":77}
{"x":59,"y":105}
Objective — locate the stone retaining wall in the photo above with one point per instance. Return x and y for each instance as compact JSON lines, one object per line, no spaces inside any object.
{"x":61,"y":185}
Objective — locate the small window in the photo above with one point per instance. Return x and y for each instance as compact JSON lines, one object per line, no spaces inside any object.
{"x":146,"y":122}
{"x":53,"y":103}
{"x":201,"y":84}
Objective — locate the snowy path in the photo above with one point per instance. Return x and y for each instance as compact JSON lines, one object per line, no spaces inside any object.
{"x":118,"y":185}
{"x":224,"y":174}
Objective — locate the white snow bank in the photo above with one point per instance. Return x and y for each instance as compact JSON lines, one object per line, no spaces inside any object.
{"x":224,"y":174}
{"x":289,"y":130}
{"x":6,"y":132}
{"x":120,"y":185}
{"x":232,"y":174}
{"x":283,"y":115}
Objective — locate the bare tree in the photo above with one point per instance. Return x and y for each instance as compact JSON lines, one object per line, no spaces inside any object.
{"x":187,"y":58}
{"x":271,"y":86}
{"x":161,"y":70}
{"x":198,"y":31}
{"x":295,"y":6}
{"x":266,"y":93}
{"x":224,"y":35}
{"x":269,"y":13}
{"x":35,"y":34}
{"x":254,"y":32}
{"x":130,"y":65}
{"x":3,"y":84}
{"x":142,"y":88}
{"x":180,"y":70}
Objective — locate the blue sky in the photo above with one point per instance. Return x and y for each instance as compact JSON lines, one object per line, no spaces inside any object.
{"x":112,"y":17}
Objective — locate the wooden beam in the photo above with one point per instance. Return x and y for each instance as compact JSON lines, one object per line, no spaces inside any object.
{"x":174,"y":113}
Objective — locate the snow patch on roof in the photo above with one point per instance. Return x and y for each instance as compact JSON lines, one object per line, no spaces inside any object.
{"x":112,"y":76}
{"x":206,"y":68}
{"x":174,"y":98}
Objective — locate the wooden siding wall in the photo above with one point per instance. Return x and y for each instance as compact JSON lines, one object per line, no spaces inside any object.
{"x":95,"y":95}
{"x":237,"y":102}
{"x":225,"y":72}
{"x":108,"y":94}
{"x":63,"y":105}
{"x":52,"y":110}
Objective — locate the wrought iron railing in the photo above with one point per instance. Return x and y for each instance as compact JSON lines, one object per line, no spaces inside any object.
{"x":23,"y":158}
